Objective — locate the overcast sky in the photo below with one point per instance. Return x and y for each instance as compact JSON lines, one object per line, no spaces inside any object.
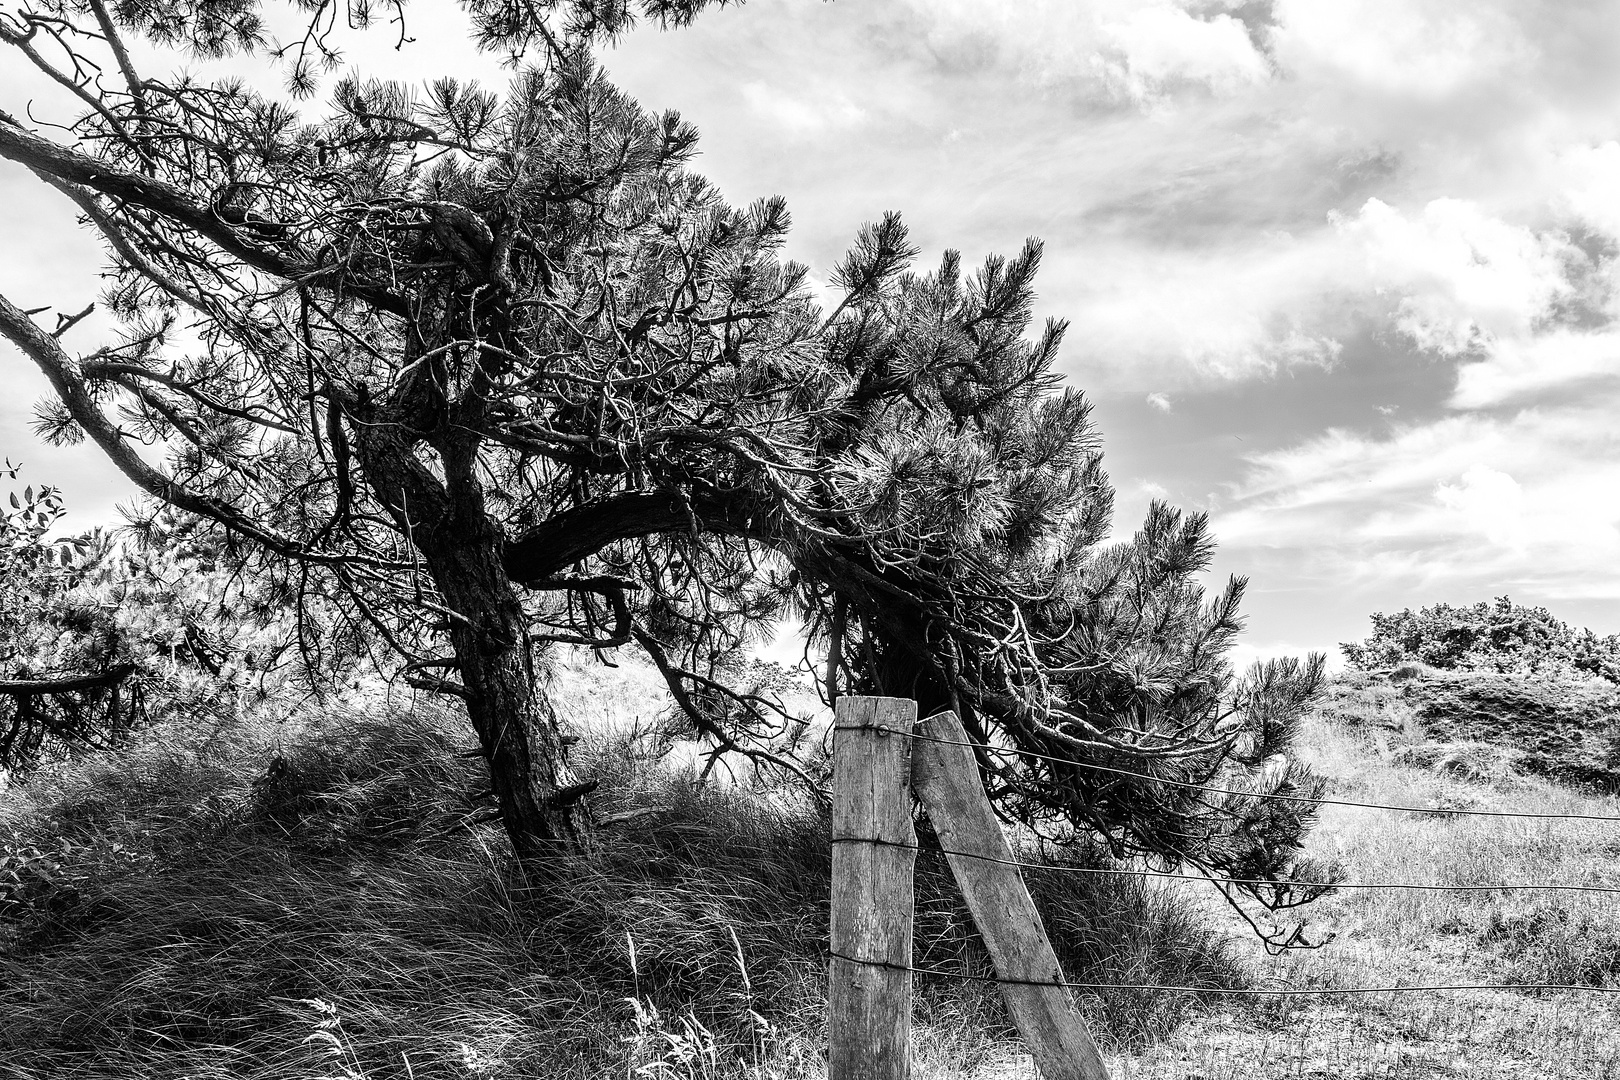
{"x":1340,"y":273}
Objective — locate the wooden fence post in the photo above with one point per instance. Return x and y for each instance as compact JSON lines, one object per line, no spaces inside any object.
{"x":947,"y":782}
{"x":869,"y":1004}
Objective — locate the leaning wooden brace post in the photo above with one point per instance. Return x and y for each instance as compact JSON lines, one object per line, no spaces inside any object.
{"x":874,"y":847}
{"x":947,"y":781}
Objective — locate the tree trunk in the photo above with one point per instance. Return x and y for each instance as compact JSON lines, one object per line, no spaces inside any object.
{"x":538,"y":794}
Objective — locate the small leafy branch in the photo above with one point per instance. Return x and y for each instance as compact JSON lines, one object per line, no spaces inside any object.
{"x":25,"y":523}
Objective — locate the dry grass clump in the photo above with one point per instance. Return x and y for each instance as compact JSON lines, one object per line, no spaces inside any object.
{"x":1476,"y":762}
{"x":315,"y":898}
{"x":1569,"y":944}
{"x":1446,"y":849}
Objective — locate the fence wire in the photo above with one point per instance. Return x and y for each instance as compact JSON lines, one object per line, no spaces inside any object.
{"x":1123,"y":871}
{"x":1427,"y":810}
{"x":1131,"y":872}
{"x":1253,"y":991}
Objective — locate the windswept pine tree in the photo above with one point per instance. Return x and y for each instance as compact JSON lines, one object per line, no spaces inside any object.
{"x":502,"y":372}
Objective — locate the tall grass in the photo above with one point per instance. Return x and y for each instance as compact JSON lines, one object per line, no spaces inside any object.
{"x":188,"y":907}
{"x":319,"y":898}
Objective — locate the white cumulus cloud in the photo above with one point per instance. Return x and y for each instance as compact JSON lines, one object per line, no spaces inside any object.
{"x":1156,"y":47}
{"x":1590,"y":179}
{"x":1464,"y":278}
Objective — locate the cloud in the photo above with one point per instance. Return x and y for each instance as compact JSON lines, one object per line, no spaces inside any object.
{"x":1457,"y":281}
{"x":1309,"y":166}
{"x":1465,"y":279}
{"x":1127,"y":50}
{"x":1588,"y":177}
{"x":1153,"y":316}
{"x":1524,"y":311}
{"x":1424,"y":48}
{"x":1470,"y":500}
{"x":1563,"y":360}
{"x":802,"y":114}
{"x":1154,"y":49}
{"x":1489,"y":502}
{"x":1519,"y":310}
{"x":1159,"y":401}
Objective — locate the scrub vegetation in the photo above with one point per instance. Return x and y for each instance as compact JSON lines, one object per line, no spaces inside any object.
{"x":317,"y":892}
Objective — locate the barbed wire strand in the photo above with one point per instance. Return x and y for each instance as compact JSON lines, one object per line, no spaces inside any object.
{"x":1229,"y":791}
{"x":1249,"y":990}
{"x":1170,"y":875}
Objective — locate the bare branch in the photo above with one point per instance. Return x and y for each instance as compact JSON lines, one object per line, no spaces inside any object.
{"x":68,"y":684}
{"x":176,"y":206}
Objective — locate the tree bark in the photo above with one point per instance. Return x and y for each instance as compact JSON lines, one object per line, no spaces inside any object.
{"x":539,"y":796}
{"x":67,"y":684}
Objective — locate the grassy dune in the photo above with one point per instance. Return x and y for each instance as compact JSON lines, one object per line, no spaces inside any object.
{"x":181,"y":910}
{"x":1389,"y":936}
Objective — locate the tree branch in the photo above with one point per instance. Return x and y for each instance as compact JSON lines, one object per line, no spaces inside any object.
{"x":564,"y":539}
{"x":67,"y":379}
{"x":174,"y":205}
{"x":37,"y":687}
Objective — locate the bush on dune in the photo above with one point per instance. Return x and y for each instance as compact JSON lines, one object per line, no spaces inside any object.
{"x":1500,"y":636}
{"x":1490,"y":690}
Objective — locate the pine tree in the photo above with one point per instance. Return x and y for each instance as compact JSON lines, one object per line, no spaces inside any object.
{"x":504,"y":373}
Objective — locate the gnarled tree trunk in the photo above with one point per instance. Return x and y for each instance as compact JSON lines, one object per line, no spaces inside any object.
{"x":538,"y":794}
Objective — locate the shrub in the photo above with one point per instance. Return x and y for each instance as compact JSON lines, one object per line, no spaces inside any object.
{"x":201,"y":625}
{"x":1500,"y":636}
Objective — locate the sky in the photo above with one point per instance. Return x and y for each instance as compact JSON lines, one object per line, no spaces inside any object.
{"x":1343,"y":275}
